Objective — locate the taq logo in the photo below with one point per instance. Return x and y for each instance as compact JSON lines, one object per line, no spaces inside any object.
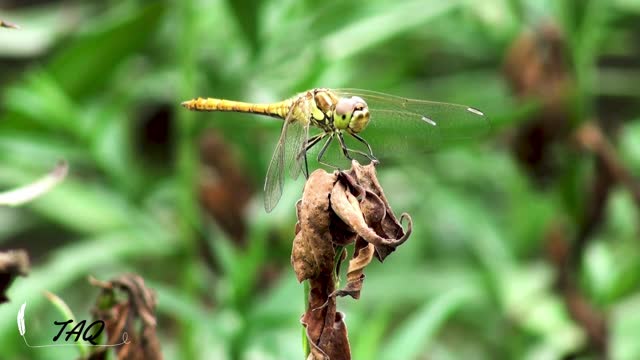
{"x":77,"y":330}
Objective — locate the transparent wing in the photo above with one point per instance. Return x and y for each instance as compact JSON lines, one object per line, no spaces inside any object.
{"x":296,"y":138}
{"x":408,"y":124}
{"x":291,"y":143}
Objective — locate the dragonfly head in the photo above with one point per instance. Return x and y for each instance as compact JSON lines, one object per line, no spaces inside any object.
{"x":351,"y":113}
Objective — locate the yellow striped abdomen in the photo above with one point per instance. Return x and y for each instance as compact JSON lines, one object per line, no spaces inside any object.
{"x":279,"y":109}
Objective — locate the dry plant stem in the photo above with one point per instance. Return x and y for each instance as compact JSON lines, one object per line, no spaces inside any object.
{"x":537,"y":68}
{"x":305,"y":339}
{"x":593,"y":322}
{"x":594,"y":212}
{"x":566,"y":255}
{"x":337,"y":210}
{"x":592,"y":138}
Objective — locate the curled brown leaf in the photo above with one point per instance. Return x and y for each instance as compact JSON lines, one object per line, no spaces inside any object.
{"x":362,"y":256}
{"x":337,"y":210}
{"x":121,"y":317}
{"x":371,"y":218}
{"x":313,"y":250}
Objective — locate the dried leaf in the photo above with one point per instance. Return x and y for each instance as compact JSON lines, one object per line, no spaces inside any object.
{"x":537,"y":71}
{"x":341,"y":233}
{"x":362,"y":256}
{"x":37,"y":188}
{"x":337,"y":210}
{"x":325,"y":327}
{"x":121,"y":317}
{"x":334,"y":341}
{"x":313,"y":250}
{"x":320,"y":311}
{"x":389,"y":226}
{"x":13,"y":263}
{"x":387,"y":233}
{"x":224,"y":190}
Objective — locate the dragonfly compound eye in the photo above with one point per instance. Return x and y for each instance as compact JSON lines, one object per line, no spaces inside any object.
{"x":360,"y":117}
{"x":351,"y":113}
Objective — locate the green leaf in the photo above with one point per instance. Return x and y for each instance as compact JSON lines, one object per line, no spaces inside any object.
{"x":629,"y":145}
{"x":366,"y":344}
{"x":66,"y":312}
{"x":372,"y":29}
{"x":247,"y":16}
{"x":86,"y":64}
{"x":41,"y":98}
{"x":413,"y":337}
{"x":625,"y":320}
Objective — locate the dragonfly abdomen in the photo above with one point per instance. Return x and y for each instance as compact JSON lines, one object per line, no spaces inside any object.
{"x":279,"y":109}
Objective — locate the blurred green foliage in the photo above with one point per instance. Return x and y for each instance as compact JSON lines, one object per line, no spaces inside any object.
{"x":80,"y":80}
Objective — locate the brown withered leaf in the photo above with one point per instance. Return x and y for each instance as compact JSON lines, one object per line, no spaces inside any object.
{"x":362,"y":256}
{"x":134,"y":317}
{"x":371,"y":218}
{"x":341,"y":233}
{"x":334,"y":342}
{"x":224,"y":190}
{"x":537,"y":70}
{"x":313,"y":251}
{"x":337,"y":210}
{"x":13,"y":263}
{"x":6,"y":24}
{"x":325,"y":326}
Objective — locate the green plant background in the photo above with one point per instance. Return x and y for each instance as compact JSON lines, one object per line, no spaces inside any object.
{"x":79,"y":79}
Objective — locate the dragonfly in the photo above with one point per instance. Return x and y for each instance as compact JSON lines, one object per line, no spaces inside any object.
{"x":340,"y":112}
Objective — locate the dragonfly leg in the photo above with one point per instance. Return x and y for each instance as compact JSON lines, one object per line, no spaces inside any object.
{"x":346,"y":150}
{"x":311,"y":142}
{"x":323,"y":149}
{"x":343,"y":146}
{"x":362,"y":140}
{"x":306,"y":165}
